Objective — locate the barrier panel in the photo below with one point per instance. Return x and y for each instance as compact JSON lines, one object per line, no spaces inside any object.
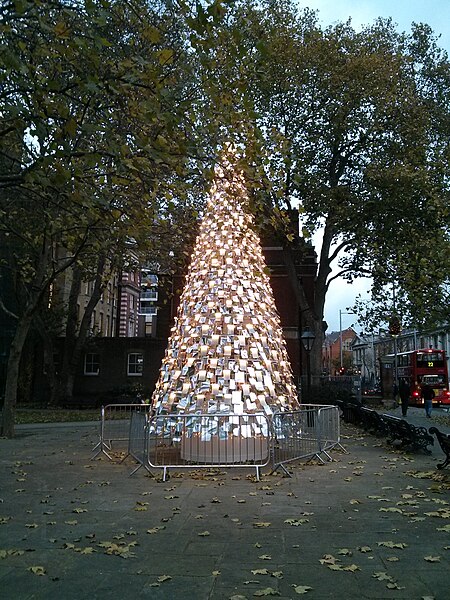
{"x":138,"y":439}
{"x":329,"y":429}
{"x":115,"y":426}
{"x":305,"y":433}
{"x":219,"y":439}
{"x":209,"y":440}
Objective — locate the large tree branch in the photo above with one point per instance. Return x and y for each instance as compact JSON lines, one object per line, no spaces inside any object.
{"x":7,"y":311}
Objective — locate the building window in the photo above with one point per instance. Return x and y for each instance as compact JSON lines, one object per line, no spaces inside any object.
{"x":91,"y":364}
{"x":135,"y":364}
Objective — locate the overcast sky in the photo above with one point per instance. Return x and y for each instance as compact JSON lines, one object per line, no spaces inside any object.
{"x":435,"y":13}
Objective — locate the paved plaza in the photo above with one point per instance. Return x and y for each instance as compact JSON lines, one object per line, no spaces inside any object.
{"x":374,"y":523}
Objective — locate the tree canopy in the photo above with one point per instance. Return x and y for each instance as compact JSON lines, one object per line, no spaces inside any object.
{"x":351,"y":127}
{"x":99,"y":138}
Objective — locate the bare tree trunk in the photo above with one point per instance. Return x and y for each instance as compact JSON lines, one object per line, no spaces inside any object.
{"x":64,"y":389}
{"x":74,"y":343}
{"x":12,"y":380}
{"x":35,"y":294}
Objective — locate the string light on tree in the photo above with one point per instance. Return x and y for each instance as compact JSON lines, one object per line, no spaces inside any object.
{"x":226,"y":352}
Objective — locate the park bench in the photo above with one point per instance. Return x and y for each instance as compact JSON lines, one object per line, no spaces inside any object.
{"x":408,"y":435}
{"x":444,"y":442}
{"x":351,"y":412}
{"x":373,"y":422}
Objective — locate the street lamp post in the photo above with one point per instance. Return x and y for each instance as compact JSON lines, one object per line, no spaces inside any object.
{"x":359,"y":390}
{"x":308,"y":338}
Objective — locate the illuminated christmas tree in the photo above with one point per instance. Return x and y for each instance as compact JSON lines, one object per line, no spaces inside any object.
{"x":226,"y":352}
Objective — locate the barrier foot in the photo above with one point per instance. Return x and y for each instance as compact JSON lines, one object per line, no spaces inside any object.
{"x":341,"y":447}
{"x":135,"y":470}
{"x":124,"y":458}
{"x":165,"y":473}
{"x":257,"y":473}
{"x":101,"y":451}
{"x":318,"y":457}
{"x":147,"y":468}
{"x":330,"y":458}
{"x":283,"y":468}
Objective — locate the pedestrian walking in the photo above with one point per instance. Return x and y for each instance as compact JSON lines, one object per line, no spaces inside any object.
{"x":427,"y":393}
{"x":404,"y":396}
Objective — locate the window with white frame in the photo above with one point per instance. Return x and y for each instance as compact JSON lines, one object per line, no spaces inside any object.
{"x":91,"y":363}
{"x":135,"y":363}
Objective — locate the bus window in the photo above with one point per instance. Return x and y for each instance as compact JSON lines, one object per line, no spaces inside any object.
{"x":429,"y":360}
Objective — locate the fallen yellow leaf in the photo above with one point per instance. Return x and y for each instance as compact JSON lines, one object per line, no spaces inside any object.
{"x":301,"y":589}
{"x":328,"y":559}
{"x":267,"y":592}
{"x":12,"y":552}
{"x":87,"y":550}
{"x":156,"y":529}
{"x":37,"y":570}
{"x":382,"y":576}
{"x":296,"y":522}
{"x":394,"y":586}
{"x":277,"y":574}
{"x":4,"y":520}
{"x":260,"y":572}
{"x":336,"y":567}
{"x":390,"y":544}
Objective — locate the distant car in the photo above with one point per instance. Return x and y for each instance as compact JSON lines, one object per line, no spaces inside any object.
{"x":375,"y":391}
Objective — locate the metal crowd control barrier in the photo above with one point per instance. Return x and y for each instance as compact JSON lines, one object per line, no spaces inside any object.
{"x":115,"y":426}
{"x":138,"y":439}
{"x":208,"y":441}
{"x":329,"y":429}
{"x":309,"y":432}
{"x":219,"y":439}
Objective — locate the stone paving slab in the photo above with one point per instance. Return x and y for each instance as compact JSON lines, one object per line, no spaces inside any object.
{"x":96,"y":532}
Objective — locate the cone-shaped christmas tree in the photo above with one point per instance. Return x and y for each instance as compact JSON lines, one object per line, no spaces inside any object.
{"x":226,"y":352}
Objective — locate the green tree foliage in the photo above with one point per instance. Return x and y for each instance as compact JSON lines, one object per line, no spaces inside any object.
{"x":98,"y":139}
{"x":353,"y":128}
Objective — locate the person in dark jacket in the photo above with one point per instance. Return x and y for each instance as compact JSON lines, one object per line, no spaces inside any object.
{"x":427,"y":393}
{"x":403,"y":390}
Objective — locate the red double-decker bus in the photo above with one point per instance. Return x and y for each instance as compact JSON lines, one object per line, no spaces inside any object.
{"x":417,"y":368}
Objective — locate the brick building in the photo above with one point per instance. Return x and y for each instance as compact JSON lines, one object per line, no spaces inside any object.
{"x":337,"y":351}
{"x":132,"y":322}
